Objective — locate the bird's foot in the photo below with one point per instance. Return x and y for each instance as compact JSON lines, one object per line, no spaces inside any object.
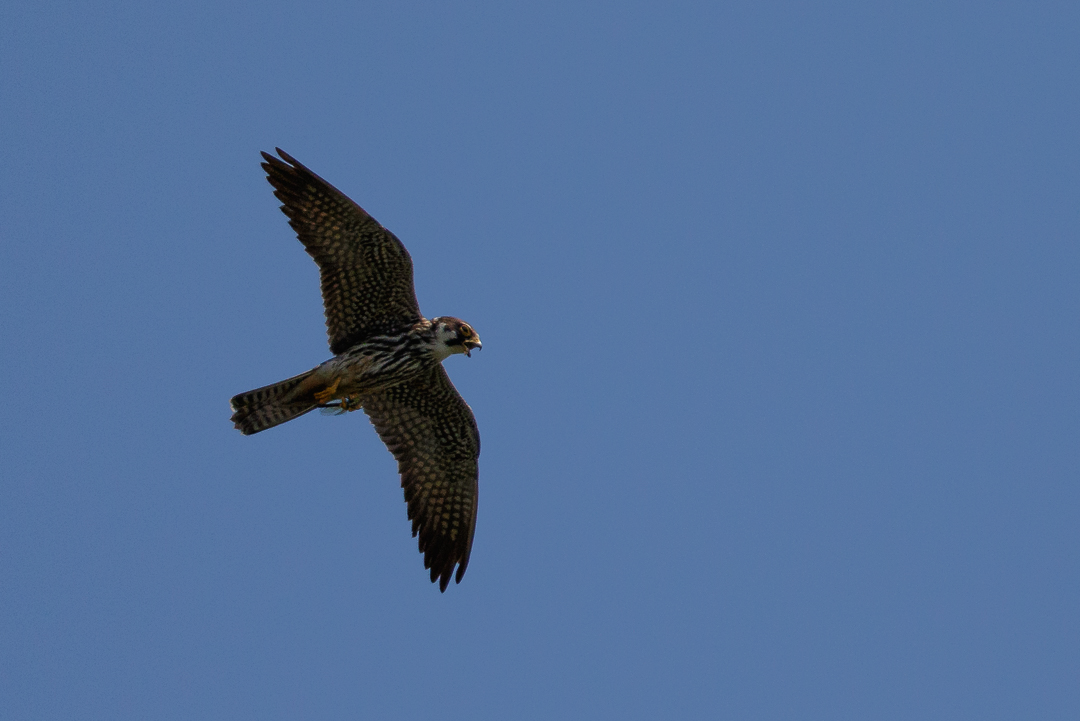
{"x":350,"y":404}
{"x":328,"y":394}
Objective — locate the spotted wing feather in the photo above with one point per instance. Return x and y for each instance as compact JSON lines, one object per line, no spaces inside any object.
{"x":367,"y":275}
{"x":432,"y":433}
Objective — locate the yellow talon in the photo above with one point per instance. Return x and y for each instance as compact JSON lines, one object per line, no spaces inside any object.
{"x":325,"y":395}
{"x":348,"y":404}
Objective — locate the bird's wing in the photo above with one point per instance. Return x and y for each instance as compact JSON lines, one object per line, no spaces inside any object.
{"x":432,"y":433}
{"x":367,"y":276}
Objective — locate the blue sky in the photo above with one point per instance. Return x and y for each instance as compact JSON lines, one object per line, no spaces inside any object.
{"x":778,"y":393}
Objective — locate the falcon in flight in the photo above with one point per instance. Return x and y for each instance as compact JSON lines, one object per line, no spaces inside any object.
{"x":387,"y":360}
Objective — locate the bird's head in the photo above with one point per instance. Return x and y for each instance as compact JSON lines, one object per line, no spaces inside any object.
{"x":455,"y":335}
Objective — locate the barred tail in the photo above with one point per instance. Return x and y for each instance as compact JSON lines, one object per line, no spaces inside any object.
{"x":270,"y":405}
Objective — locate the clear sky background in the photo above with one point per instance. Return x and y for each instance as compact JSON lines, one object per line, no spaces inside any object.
{"x":779,"y":389}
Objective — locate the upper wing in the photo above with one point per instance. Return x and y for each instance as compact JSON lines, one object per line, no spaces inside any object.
{"x":432,"y":433}
{"x":367,"y":277}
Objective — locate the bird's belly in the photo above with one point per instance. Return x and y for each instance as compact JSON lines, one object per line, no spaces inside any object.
{"x":363,"y":371}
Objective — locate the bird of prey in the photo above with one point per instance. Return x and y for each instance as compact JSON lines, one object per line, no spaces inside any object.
{"x":387,"y":361}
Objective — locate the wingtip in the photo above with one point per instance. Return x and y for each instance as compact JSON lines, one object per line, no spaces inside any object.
{"x":288,"y":158}
{"x":284,"y":161}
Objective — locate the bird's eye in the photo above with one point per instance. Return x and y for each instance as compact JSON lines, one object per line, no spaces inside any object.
{"x":466,"y":331}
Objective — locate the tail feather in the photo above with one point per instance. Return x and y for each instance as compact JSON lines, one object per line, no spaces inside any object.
{"x":270,"y":405}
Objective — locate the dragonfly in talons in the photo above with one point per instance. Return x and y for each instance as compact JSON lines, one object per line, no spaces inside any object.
{"x":337,"y":408}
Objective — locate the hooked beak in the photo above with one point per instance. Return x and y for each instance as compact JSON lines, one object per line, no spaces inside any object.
{"x":470,"y":344}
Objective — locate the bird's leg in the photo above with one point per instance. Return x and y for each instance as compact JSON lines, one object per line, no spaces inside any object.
{"x":349,"y":404}
{"x":325,"y":395}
